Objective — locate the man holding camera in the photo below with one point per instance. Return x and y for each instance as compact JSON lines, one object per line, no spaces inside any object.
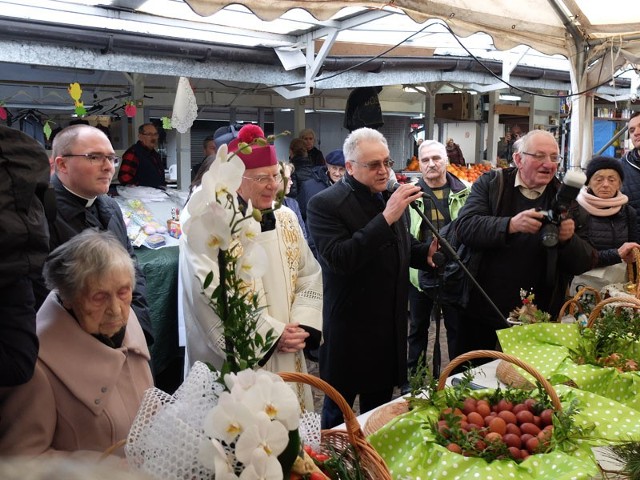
{"x":502,"y":222}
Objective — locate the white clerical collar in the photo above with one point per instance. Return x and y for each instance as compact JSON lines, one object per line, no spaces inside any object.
{"x":530,"y":193}
{"x":89,"y":200}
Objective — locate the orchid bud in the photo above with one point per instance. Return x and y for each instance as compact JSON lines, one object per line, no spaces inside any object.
{"x":244,"y":148}
{"x":257,"y":215}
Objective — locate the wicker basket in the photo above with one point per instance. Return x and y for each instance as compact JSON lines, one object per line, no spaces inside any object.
{"x":509,"y":375}
{"x":632,"y":287}
{"x":383,"y":415}
{"x":465,"y":357}
{"x":370,"y":461}
{"x":618,"y":302}
{"x":573,"y":305}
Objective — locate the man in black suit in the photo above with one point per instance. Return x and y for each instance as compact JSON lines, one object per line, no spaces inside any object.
{"x":365,"y":250}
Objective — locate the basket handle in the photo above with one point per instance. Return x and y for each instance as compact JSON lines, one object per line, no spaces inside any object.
{"x":573,"y":303}
{"x":465,"y":357}
{"x":112,"y":449}
{"x":634,"y":276}
{"x":354,"y":431}
{"x":631,"y":302}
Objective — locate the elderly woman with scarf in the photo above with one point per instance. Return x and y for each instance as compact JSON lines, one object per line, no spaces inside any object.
{"x":612,"y":222}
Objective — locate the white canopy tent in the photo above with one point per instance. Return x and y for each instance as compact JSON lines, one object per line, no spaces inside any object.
{"x":598,"y":38}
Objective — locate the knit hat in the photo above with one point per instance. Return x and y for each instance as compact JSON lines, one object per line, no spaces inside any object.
{"x":262,"y":155}
{"x":604,"y":163}
{"x":336,"y":158}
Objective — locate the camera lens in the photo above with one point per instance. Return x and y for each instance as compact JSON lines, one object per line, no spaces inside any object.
{"x":549,"y":233}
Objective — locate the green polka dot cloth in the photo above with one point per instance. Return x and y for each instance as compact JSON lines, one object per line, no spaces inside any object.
{"x":546,"y":347}
{"x":408,"y":446}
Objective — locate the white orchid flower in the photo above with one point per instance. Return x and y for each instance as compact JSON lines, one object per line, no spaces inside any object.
{"x":262,"y":467}
{"x":263,"y":434}
{"x":276,"y":399}
{"x":228,"y":419}
{"x":241,"y":380}
{"x":213,"y":456}
{"x":225,"y":174}
{"x":211,"y":231}
{"x":249,"y":230}
{"x":253,"y":263}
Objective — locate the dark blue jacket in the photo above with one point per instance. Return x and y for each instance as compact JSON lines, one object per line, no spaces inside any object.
{"x":318,"y":181}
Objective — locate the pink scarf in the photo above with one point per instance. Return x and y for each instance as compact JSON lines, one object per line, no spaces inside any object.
{"x":601,"y":207}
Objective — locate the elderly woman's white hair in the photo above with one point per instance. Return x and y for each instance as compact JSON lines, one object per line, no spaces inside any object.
{"x":90,"y":254}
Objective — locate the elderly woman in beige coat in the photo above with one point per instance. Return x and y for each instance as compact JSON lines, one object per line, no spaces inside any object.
{"x":93,"y":364}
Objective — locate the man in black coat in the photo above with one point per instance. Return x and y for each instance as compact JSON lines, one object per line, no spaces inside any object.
{"x":84,"y":165}
{"x":24,"y":245}
{"x":365,"y":251}
{"x":501,"y":221}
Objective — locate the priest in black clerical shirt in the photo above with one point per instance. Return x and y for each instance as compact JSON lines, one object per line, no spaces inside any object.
{"x":84,"y":162}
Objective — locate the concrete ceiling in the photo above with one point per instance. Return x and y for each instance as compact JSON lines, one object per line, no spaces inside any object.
{"x":109,"y":46}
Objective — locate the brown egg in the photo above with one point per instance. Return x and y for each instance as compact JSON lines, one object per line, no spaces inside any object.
{"x":524,"y":416}
{"x":515,"y":453}
{"x":476,"y":419}
{"x":513,"y":428}
{"x":533,"y":444}
{"x":498,"y":425}
{"x":469,"y":405}
{"x":512,"y":440}
{"x":483,"y":408}
{"x":507,"y":416}
{"x":530,"y":428}
{"x":546,"y":417}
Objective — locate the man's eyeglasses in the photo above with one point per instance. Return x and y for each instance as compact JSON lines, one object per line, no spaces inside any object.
{"x":542,"y":157}
{"x":95,"y":158}
{"x":150,"y":134}
{"x":266,"y":179}
{"x":376,"y":165}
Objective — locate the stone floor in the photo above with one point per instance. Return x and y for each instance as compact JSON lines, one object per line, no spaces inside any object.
{"x":312,"y":367}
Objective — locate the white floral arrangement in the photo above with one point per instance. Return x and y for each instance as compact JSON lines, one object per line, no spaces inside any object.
{"x":256,"y":415}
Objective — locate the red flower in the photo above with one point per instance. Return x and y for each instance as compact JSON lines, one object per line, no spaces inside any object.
{"x":249,"y":133}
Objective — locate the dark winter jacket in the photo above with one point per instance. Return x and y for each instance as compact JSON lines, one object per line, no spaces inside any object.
{"x":316,"y":156}
{"x":318,"y":181}
{"x":303,"y":167}
{"x":365,"y":271}
{"x":511,"y":262}
{"x":606,"y":234}
{"x":631,"y":184}
{"x":72,"y":218}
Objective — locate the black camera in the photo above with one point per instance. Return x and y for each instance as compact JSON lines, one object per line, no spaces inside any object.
{"x":550,"y":230}
{"x":571,"y":185}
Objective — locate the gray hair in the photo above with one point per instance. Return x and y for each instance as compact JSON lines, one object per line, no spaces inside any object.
{"x":351,"y":147}
{"x":307,"y":131}
{"x":433,"y":143}
{"x":523,"y":143}
{"x":90,"y":254}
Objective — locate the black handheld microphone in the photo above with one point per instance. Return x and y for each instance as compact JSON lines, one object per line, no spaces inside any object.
{"x":392,"y":186}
